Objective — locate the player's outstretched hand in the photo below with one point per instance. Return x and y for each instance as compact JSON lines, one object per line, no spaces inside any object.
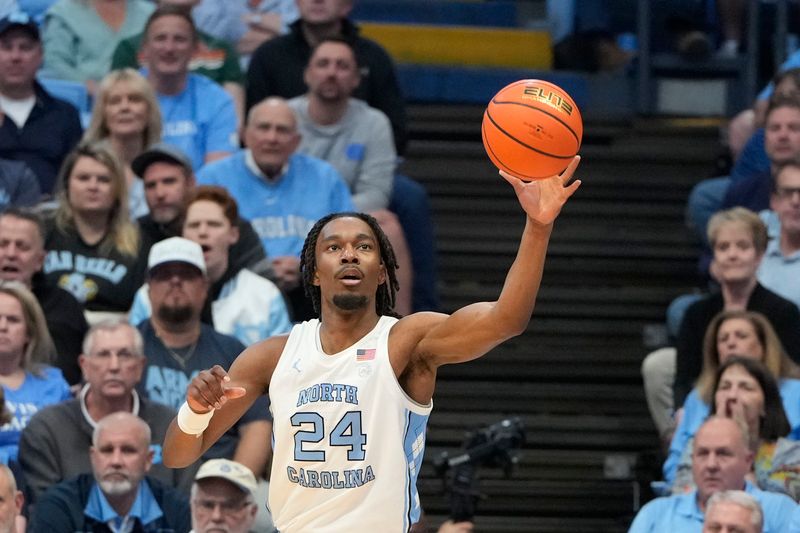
{"x":543,"y":199}
{"x":208,"y":390}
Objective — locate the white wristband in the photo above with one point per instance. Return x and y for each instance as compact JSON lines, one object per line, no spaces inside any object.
{"x":193,"y":423}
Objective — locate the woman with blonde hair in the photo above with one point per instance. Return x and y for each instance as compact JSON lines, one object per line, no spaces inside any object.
{"x":746,"y":334}
{"x":26,"y":350}
{"x":92,"y":245}
{"x":127,"y":116}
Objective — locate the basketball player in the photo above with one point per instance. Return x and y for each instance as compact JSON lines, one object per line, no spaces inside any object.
{"x":351,"y":392}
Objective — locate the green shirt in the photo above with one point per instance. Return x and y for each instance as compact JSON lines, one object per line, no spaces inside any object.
{"x":214,"y":58}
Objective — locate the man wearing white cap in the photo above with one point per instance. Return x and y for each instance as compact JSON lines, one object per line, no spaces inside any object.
{"x":178,"y":346}
{"x":223,"y":498}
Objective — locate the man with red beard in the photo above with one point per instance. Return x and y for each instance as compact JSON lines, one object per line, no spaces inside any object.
{"x":118,"y":495}
{"x":721,"y":460}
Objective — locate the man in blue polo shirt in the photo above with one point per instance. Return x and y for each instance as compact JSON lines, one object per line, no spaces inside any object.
{"x":721,"y":459}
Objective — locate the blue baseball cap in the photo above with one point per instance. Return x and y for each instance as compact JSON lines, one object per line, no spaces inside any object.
{"x":20,"y":20}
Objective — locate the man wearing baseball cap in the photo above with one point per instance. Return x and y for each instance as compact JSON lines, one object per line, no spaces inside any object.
{"x":178,"y":345}
{"x":36,"y":128}
{"x":168,"y":179}
{"x":223,"y":498}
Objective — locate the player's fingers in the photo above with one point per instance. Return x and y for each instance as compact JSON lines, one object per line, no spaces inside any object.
{"x":570,"y":189}
{"x":566,"y":175}
{"x":232,"y":393}
{"x":206,"y":388}
{"x":514,"y":181}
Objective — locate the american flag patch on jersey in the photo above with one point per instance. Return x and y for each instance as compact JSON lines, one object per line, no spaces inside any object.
{"x":365,"y":355}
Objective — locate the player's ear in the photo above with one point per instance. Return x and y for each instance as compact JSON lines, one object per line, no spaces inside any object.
{"x":316,"y":278}
{"x":382,"y":275}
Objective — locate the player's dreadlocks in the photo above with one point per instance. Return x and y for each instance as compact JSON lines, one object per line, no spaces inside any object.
{"x":385,"y":297}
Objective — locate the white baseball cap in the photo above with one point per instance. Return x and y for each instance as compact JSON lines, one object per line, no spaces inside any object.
{"x":176,"y":250}
{"x":236,"y":473}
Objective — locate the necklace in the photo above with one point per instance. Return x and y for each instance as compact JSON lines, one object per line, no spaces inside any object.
{"x":182,"y":355}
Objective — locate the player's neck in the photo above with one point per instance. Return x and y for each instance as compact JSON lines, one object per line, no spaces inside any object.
{"x":341,"y":329}
{"x":326,"y":113}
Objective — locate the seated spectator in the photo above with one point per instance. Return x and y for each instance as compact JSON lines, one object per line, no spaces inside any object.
{"x":224,"y":498}
{"x":717,"y":437}
{"x":734,"y":333}
{"x":29,"y":383}
{"x":745,"y":390}
{"x":79,"y":37}
{"x":37,"y":129}
{"x":118,"y":492}
{"x":178,"y":346}
{"x":92,"y":246}
{"x":277,"y":67}
{"x":199,"y":117}
{"x":22,"y":236}
{"x":738,"y":239}
{"x":213,"y":58}
{"x":281,"y":192}
{"x":780,"y":269}
{"x":734,"y":511}
{"x":11,"y":503}
{"x":127,"y":116}
{"x":18,"y":185}
{"x":168,"y":181}
{"x":240,"y":303}
{"x":356,"y":139}
{"x":55,"y":444}
{"x":245,"y":23}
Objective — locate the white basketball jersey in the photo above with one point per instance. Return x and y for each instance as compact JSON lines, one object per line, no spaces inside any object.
{"x":348,"y":442}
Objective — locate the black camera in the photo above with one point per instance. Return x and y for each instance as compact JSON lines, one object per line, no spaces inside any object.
{"x":494,"y":446}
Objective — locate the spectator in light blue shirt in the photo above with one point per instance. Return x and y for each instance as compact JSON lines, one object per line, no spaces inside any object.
{"x":721,"y":458}
{"x":198,"y":116}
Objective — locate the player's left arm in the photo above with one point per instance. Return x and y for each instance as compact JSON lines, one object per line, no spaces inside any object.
{"x":477,"y":328}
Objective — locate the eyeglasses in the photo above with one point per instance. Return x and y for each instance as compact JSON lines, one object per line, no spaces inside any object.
{"x":123,"y":355}
{"x":225,"y":506}
{"x":787,"y":192}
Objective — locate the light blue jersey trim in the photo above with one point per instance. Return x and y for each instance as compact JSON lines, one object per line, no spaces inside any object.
{"x":414,"y":449}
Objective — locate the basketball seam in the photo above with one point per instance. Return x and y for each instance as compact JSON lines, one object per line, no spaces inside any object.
{"x":548,"y":154}
{"x":554,"y":117}
{"x":497,"y":159}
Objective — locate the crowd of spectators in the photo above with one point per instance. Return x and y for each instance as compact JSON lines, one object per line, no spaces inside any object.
{"x":160,"y":234}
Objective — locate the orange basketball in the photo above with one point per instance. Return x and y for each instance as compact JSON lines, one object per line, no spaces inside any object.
{"x":532,"y":129}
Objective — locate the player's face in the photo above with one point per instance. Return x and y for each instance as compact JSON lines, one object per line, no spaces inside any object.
{"x":739,"y":394}
{"x":218,"y":506}
{"x":207,"y":225}
{"x":349,"y":267}
{"x":785,"y":200}
{"x":21,"y":249}
{"x":271,"y":135}
{"x":782,"y":135}
{"x":169,"y":45}
{"x":166,"y":186}
{"x":737,"y":336}
{"x":125,"y":110}
{"x":727,"y":517}
{"x":332,"y":72}
{"x":323,"y":12}
{"x":10,"y":505}
{"x":177,"y":292}
{"x":735,"y":254}
{"x":13,"y":328}
{"x":121,"y":458}
{"x":720,"y":460}
{"x":20,"y":58}
{"x":90,"y":188}
{"x":112,"y":367}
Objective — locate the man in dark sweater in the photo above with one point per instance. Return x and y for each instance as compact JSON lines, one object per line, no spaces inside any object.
{"x":118,"y":492}
{"x":276,"y":67}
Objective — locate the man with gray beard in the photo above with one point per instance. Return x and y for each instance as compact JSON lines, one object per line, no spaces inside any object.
{"x":118,"y":495}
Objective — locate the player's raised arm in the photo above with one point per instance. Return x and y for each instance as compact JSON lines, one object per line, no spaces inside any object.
{"x":475,"y":329}
{"x":216,"y":399}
